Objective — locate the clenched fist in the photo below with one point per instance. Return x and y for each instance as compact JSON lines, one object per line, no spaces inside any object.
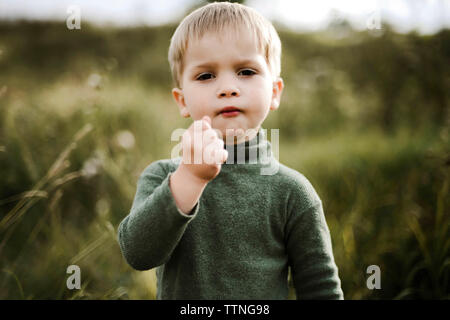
{"x":203,"y":150}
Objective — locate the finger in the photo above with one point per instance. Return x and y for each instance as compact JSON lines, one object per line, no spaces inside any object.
{"x":209,"y":136}
{"x":220,"y":143}
{"x":224,"y":154}
{"x":199,"y":126}
{"x":206,"y":123}
{"x":212,"y":152}
{"x":220,"y":154}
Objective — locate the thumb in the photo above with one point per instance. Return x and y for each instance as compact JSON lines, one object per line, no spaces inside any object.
{"x":206,"y":122}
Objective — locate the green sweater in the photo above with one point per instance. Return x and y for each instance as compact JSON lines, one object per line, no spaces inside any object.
{"x":247,"y":228}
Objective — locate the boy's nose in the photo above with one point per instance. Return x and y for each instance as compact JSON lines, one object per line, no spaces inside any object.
{"x":229,"y":92}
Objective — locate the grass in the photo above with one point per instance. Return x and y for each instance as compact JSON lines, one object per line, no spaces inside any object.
{"x":73,"y":145}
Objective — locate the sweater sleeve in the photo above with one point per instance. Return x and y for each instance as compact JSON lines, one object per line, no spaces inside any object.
{"x":151,"y":231}
{"x":314,"y":272}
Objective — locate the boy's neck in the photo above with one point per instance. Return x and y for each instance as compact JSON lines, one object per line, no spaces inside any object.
{"x":256,"y":149}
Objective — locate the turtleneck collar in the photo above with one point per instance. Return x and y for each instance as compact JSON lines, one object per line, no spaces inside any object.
{"x":257,"y":150}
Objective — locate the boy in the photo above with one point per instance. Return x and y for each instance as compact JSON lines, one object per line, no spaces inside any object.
{"x":220,"y":230}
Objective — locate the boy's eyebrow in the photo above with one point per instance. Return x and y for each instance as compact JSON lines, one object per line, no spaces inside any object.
{"x":214,"y":64}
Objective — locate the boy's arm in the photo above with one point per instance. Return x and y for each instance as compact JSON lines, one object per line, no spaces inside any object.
{"x":155,"y":225}
{"x":186,"y":188}
{"x":314,"y":271}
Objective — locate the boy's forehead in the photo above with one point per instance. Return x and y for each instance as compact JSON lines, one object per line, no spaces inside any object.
{"x":212,"y":48}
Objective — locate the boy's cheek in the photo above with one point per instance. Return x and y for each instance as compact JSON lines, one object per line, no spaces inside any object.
{"x":197,"y":112}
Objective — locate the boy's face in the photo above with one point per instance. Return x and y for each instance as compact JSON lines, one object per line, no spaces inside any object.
{"x":227,"y":71}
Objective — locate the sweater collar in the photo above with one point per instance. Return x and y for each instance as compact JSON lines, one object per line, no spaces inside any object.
{"x":257,"y":150}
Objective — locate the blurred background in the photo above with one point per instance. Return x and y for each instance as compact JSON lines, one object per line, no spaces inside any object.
{"x":85,"y":108}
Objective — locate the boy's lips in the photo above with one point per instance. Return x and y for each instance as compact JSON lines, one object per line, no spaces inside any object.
{"x":230,"y":111}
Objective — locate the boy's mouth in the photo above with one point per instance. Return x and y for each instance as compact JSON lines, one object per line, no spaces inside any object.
{"x":230,"y":111}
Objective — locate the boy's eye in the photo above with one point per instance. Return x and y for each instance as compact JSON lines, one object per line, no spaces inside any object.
{"x":204,"y":76}
{"x":208,"y":75}
{"x":247,"y":72}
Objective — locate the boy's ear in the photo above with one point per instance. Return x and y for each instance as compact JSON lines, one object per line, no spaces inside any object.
{"x":179,"y":99}
{"x":277,"y":89}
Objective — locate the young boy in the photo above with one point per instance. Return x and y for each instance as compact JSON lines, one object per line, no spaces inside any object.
{"x":220,"y":230}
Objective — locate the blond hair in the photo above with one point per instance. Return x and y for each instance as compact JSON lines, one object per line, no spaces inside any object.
{"x":217,"y":17}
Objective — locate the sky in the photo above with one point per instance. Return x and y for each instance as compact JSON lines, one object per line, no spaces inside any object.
{"x":425,"y":16}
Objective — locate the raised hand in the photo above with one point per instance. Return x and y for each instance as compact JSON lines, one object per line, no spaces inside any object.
{"x":203,"y":150}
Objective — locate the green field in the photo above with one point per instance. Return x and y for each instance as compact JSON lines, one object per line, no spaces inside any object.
{"x":365,"y":118}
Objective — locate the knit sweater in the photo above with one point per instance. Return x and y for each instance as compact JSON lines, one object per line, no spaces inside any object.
{"x":246,"y":230}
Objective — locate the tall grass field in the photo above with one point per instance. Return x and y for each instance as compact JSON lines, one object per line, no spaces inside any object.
{"x":82,"y":112}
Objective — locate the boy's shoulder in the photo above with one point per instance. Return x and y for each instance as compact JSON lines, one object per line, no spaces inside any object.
{"x":297,"y":185}
{"x":162,"y":167}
